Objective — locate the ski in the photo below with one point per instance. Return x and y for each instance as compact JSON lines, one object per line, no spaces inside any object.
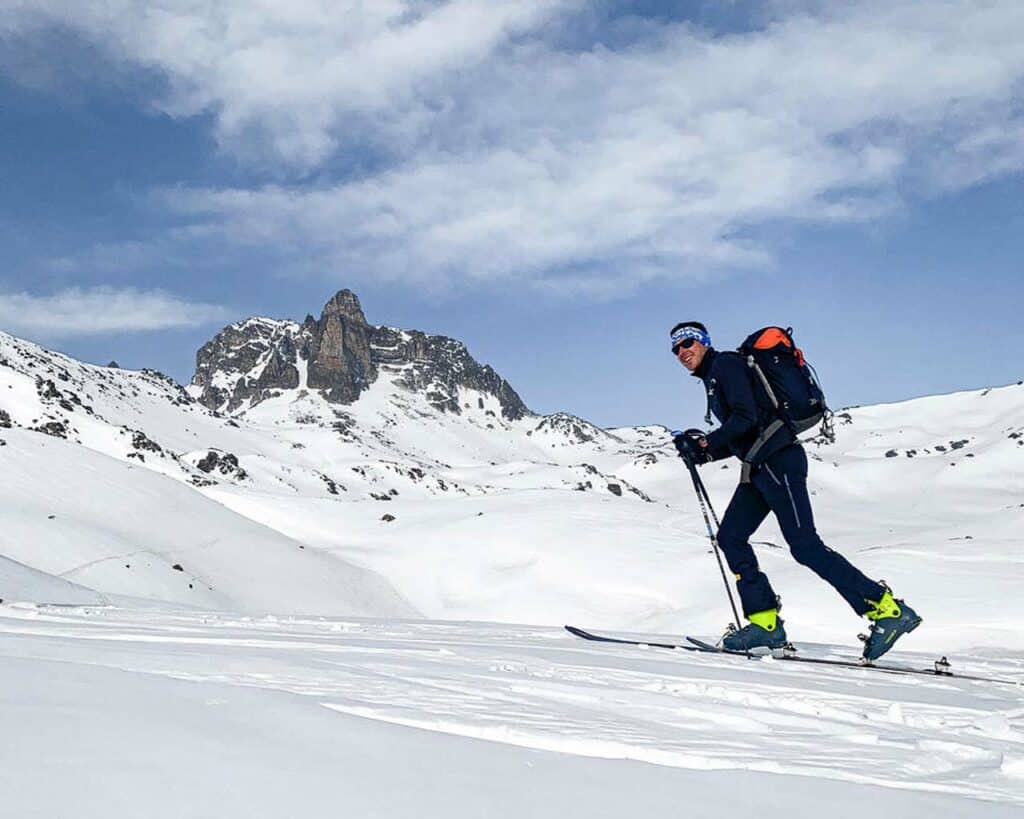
{"x":600,"y":638}
{"x":942,"y":668}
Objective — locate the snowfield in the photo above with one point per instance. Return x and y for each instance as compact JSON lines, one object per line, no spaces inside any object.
{"x":167,"y":714}
{"x":306,"y":609}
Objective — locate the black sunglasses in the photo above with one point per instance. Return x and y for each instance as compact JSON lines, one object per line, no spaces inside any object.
{"x":685,"y":344}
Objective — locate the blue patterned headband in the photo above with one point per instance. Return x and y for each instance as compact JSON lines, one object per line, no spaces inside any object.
{"x":690,"y":332}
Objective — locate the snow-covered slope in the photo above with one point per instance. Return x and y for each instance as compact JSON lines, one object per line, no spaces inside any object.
{"x":176,"y":539}
{"x":20,"y":582}
{"x":473,"y":514}
{"x":122,"y":530}
{"x":296,"y":452}
{"x":114,"y":712}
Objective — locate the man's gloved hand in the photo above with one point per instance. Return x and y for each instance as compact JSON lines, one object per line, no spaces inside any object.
{"x":692,"y":446}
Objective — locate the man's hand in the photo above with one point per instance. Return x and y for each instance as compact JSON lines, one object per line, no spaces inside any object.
{"x":692,"y":446}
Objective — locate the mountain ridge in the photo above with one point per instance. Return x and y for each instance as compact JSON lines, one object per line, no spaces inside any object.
{"x":341,"y":355}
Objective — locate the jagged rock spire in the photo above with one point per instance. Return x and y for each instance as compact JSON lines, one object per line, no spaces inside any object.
{"x":339,"y":351}
{"x":252,"y":360}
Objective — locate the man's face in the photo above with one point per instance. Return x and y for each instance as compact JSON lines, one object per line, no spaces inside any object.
{"x":690,"y":357}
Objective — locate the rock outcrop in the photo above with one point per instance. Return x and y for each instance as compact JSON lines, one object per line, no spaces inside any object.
{"x":341,"y":355}
{"x":340,"y":360}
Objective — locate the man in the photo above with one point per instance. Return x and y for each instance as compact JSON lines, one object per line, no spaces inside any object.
{"x":778,"y":484}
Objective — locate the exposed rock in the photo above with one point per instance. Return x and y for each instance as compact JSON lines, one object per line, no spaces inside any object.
{"x":438,"y":366}
{"x":55,"y":428}
{"x":248,"y":362}
{"x":222,"y":462}
{"x":49,"y":393}
{"x":244,"y":361}
{"x":332,"y":486}
{"x":387,"y":518}
{"x":5,"y":420}
{"x":563,"y":425}
{"x":640,"y":494}
{"x":339,"y":350}
{"x":181,"y":396}
{"x":141,"y":441}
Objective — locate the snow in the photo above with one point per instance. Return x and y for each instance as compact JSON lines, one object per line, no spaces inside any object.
{"x":172,"y":639}
{"x":20,"y":582}
{"x":166,"y":714}
{"x":81,"y":516}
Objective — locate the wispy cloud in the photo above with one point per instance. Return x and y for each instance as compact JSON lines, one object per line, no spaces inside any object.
{"x":505,"y":156}
{"x":290,"y":80}
{"x":98,"y":310}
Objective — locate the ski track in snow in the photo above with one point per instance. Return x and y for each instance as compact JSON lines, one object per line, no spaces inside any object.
{"x":540,"y":688}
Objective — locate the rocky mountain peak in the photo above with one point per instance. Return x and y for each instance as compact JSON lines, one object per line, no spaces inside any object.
{"x":340,"y":363}
{"x":341,"y":355}
{"x":345,"y":305}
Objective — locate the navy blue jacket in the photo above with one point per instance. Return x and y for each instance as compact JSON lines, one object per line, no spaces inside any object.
{"x":740,"y":408}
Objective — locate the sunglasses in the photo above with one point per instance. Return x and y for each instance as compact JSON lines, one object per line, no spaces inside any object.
{"x":685,"y":344}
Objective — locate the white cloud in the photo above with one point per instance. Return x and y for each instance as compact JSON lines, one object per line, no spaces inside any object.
{"x":508,"y":158}
{"x":97,"y":310}
{"x":289,"y":79}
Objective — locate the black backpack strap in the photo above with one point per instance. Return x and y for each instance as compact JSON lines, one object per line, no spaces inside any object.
{"x":782,"y":420}
{"x":762,"y":439}
{"x":752,"y":363}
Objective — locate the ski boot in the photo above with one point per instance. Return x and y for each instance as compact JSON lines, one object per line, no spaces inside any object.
{"x":765,"y":630}
{"x":890,"y":620}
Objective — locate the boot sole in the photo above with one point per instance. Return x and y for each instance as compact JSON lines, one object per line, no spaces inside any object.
{"x":761,"y":651}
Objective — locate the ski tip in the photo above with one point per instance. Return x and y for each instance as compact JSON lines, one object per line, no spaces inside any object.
{"x":701,"y":643}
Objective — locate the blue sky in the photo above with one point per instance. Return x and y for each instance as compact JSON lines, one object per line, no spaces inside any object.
{"x":554,"y":182}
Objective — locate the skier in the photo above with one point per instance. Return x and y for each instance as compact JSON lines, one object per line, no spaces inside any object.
{"x":777,"y":483}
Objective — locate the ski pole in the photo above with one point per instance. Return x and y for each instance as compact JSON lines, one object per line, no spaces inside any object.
{"x":707,"y":498}
{"x":705,"y":504}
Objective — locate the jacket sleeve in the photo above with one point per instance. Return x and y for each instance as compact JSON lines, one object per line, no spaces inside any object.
{"x":719,"y":453}
{"x":732,"y":378}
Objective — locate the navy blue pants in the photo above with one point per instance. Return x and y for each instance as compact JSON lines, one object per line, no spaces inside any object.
{"x":780,"y":486}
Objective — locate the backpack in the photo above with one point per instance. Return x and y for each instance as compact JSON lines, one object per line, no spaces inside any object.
{"x":790,"y":383}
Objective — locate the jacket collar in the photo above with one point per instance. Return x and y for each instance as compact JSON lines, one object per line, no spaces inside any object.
{"x":705,"y":365}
